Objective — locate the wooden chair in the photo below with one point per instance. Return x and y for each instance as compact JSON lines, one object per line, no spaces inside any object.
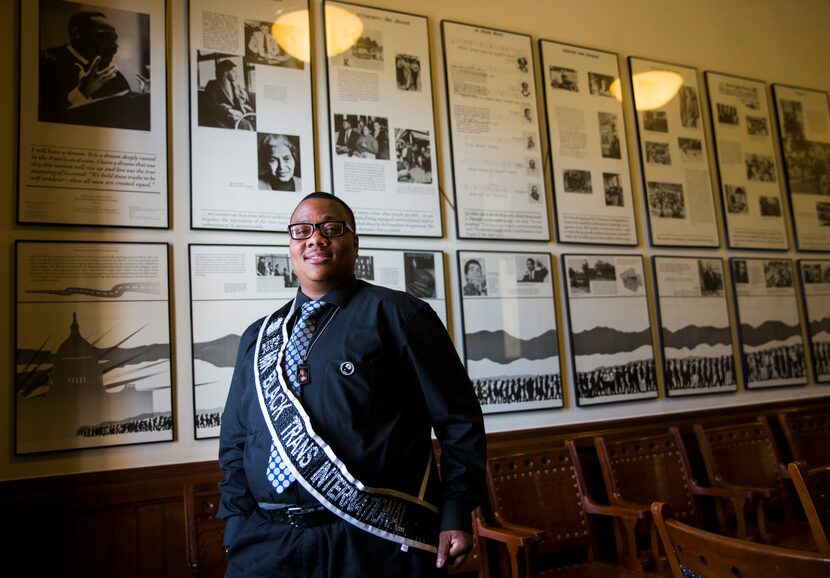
{"x":695,"y":553}
{"x":204,"y":532}
{"x":540,"y":508}
{"x":808,"y":437}
{"x":655,"y":467}
{"x":813,"y":487}
{"x":744,"y":456}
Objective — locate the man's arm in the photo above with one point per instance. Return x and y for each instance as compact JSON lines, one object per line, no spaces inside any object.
{"x":456,"y":418}
{"x":236,"y":502}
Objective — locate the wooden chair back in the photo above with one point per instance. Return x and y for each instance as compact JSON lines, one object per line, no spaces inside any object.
{"x":649,"y":468}
{"x":813,"y":487}
{"x":204,"y":533}
{"x":808,"y":436}
{"x":541,"y":489}
{"x":742,"y":454}
{"x":695,"y":552}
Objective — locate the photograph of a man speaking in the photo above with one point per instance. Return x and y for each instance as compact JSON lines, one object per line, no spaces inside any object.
{"x":94,"y":66}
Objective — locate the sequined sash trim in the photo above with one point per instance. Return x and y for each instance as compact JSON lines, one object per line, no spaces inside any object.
{"x":383,"y":512}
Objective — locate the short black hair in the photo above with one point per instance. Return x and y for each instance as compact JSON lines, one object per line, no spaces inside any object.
{"x":83,"y":20}
{"x":330,"y":197}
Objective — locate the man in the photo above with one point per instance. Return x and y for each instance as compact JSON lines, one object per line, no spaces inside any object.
{"x":343,"y":395}
{"x":262,"y":44}
{"x":346,"y":141}
{"x":535,"y":271}
{"x":79,"y":80}
{"x":228,"y":103}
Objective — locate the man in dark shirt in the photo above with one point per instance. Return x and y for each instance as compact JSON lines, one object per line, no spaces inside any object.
{"x":360,"y":495}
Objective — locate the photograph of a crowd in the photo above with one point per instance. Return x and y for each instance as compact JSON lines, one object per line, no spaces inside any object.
{"x":694,"y":326}
{"x":610,"y":330}
{"x":769,"y":328}
{"x":815,"y":282}
{"x":511,"y":343}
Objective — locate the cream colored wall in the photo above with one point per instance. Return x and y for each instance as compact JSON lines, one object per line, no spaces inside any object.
{"x":782,"y":41}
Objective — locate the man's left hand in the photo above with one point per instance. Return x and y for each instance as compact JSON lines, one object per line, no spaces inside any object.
{"x":453,"y":547}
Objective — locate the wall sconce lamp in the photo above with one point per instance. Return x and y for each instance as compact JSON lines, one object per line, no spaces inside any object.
{"x":290,"y":30}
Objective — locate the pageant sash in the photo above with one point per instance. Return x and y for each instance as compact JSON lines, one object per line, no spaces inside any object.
{"x":386,"y":513}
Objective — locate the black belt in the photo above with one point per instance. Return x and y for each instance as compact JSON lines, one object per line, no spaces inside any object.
{"x":298,"y":516}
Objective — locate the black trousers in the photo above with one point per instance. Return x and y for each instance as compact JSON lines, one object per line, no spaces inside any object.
{"x":267,"y":549}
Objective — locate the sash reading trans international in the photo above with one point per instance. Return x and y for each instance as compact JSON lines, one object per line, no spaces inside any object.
{"x":386,"y":513}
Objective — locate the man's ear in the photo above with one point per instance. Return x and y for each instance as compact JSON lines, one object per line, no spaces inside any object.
{"x":356,"y":241}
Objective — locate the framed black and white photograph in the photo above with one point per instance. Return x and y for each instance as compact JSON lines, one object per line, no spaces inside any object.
{"x":251,"y":113}
{"x":610,"y":330}
{"x":384,"y":160}
{"x":772,"y":349}
{"x":675,"y":158}
{"x":511,"y":344}
{"x":815,"y":284}
{"x":695,"y":334}
{"x":586,"y":132}
{"x":232,"y":286}
{"x":92,"y":350}
{"x":745,"y":153}
{"x":93,"y":118}
{"x":803,"y":117}
{"x":494,"y":133}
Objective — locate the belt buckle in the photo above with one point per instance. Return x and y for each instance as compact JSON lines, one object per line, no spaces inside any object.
{"x":294,"y":516}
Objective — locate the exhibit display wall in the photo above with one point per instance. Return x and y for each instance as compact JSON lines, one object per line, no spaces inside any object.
{"x":747,"y":43}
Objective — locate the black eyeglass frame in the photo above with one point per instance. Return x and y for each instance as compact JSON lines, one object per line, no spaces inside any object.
{"x":318,"y":226}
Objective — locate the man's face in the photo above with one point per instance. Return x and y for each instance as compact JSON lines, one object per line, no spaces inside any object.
{"x":322,"y":264}
{"x":346,"y":125}
{"x":473,"y":273}
{"x":281,"y":162}
{"x":97,"y":38}
{"x":530,"y":265}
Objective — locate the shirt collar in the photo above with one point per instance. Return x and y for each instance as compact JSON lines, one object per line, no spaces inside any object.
{"x":338,"y":296}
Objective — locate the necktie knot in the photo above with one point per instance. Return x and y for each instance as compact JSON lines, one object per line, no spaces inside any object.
{"x":310,"y":309}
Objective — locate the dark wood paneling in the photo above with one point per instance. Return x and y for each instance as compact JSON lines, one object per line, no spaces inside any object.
{"x":131,"y":523}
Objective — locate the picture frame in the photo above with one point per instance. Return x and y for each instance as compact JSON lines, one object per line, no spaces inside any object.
{"x":748,"y":173}
{"x":93,"y":350}
{"x":815,"y":287}
{"x":252,"y":151}
{"x":803,"y":117}
{"x":593,"y":196}
{"x":490,"y":83}
{"x":674,"y":157}
{"x":697,"y":349}
{"x":609,"y":328}
{"x":382,"y":127}
{"x":769,"y":327}
{"x":511,"y":343}
{"x":231,"y":286}
{"x":93,"y":119}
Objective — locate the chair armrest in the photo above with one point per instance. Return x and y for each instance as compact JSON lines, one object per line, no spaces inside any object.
{"x":535,"y":533}
{"x":760,"y":491}
{"x":620,"y":508}
{"x":513,"y":534}
{"x":721,"y":491}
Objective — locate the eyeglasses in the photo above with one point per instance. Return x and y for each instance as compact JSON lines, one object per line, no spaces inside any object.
{"x":328,"y":229}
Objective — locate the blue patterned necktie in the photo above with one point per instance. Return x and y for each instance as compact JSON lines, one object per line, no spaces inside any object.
{"x":296,"y":351}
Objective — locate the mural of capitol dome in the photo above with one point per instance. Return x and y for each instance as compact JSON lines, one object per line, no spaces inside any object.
{"x":76,"y":362}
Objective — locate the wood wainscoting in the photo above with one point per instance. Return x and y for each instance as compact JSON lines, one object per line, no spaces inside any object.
{"x":134,"y":523}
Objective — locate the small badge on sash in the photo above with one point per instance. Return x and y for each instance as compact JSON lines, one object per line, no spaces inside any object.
{"x":303,"y":374}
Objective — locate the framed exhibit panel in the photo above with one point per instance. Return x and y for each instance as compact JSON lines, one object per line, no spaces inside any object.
{"x":674,"y":155}
{"x":381,"y":119}
{"x":93,"y":122}
{"x":498,"y":171}
{"x":92,"y":351}
{"x":511,"y":345}
{"x":695,"y":334}
{"x":251,"y":113}
{"x":772,"y":350}
{"x":232,"y":286}
{"x":587,"y":136}
{"x":745,"y":154}
{"x":610,"y":331}
{"x":804,"y":129}
{"x":815,"y":282}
